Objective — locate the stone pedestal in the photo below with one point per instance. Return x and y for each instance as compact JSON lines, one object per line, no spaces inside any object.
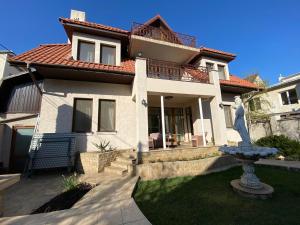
{"x":249,"y":184}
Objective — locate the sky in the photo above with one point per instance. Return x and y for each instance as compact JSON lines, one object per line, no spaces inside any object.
{"x":265,"y":34}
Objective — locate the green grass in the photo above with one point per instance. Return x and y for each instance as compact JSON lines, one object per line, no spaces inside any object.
{"x":209,"y":199}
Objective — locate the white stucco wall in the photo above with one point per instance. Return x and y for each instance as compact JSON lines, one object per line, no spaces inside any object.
{"x":57,"y":112}
{"x":98,"y":40}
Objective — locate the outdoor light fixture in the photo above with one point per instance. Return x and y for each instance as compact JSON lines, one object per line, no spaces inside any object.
{"x":221,"y":105}
{"x":168,"y":97}
{"x":140,"y":54}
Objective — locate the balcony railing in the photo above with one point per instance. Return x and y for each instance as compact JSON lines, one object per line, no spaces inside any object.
{"x":163,"y":34}
{"x":172,"y":71}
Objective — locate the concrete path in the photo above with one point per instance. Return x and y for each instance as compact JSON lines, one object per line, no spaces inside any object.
{"x":293,"y":165}
{"x":109,"y":203}
{"x":31,"y":193}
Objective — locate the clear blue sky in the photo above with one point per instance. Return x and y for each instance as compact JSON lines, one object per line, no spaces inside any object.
{"x":265,"y":35}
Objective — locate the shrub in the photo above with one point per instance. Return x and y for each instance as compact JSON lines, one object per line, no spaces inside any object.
{"x":104,"y":146}
{"x":70,"y":182}
{"x":287,"y":147}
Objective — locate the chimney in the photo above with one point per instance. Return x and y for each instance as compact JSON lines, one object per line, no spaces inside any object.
{"x":77,"y":15}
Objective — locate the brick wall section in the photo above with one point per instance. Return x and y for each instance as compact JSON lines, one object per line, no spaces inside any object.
{"x":94,"y":162}
{"x":158,"y":170}
{"x":178,"y":154}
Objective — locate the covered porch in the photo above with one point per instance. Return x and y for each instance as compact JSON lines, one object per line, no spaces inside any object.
{"x":186,"y":123}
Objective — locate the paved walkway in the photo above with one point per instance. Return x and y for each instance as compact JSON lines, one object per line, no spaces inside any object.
{"x":30,"y":193}
{"x":110,"y":203}
{"x":293,"y":165}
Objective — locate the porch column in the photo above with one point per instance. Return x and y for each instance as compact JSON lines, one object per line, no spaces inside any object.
{"x":162,"y":108}
{"x":202,"y":121}
{"x":217,"y":113}
{"x":140,"y":97}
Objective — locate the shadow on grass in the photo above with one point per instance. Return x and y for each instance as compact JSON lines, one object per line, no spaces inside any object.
{"x":210,"y":200}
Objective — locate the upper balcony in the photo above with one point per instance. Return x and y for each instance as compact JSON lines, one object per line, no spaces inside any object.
{"x":172,"y":71}
{"x":158,"y":41}
{"x":162,"y":34}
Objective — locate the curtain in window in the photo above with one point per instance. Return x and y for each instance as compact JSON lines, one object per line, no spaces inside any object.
{"x":108,"y":55}
{"x":221,"y":72}
{"x":107,"y":115}
{"x":228,"y":117}
{"x":87,"y":52}
{"x":82,"y":115}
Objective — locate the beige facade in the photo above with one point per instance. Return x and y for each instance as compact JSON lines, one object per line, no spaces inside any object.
{"x":57,"y":112}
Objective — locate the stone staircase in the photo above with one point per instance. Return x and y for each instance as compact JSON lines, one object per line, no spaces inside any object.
{"x":123,"y":164}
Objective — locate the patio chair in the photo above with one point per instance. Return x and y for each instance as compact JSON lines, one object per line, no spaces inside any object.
{"x":155,"y":140}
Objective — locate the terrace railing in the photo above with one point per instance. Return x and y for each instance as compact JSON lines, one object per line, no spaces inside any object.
{"x":171,"y":71}
{"x":163,"y":34}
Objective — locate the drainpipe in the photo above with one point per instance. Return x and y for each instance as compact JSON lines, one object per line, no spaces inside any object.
{"x":31,"y":70}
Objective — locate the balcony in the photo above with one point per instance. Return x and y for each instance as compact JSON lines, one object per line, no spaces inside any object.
{"x":172,"y":71}
{"x":162,"y":35}
{"x":162,"y":44}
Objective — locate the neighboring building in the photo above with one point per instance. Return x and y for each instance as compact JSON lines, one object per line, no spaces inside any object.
{"x":116,"y":85}
{"x":281,"y":103}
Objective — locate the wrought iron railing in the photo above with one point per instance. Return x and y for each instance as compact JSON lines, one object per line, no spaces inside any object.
{"x":172,"y":71}
{"x":162,"y":34}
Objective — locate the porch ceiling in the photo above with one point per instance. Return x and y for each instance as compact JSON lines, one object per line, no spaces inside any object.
{"x":172,"y":100}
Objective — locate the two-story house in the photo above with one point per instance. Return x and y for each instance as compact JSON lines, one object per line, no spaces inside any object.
{"x":116,"y":85}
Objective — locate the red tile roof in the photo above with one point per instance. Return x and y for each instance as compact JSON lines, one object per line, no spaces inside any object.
{"x":202,"y":49}
{"x":236,"y":81}
{"x":60,"y":55}
{"x":93,"y":25}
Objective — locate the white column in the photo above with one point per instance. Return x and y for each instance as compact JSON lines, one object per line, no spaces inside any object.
{"x":202,"y":121}
{"x":140,"y":96}
{"x":162,"y":108}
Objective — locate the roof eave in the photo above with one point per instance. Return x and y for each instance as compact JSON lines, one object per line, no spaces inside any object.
{"x":16,"y":62}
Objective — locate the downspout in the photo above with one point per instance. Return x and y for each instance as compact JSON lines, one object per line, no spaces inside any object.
{"x":31,"y":70}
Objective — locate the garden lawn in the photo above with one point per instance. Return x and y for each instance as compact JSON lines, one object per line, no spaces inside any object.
{"x":209,"y":199}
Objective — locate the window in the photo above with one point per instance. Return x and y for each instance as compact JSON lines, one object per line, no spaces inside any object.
{"x":107,"y":115}
{"x":289,"y":97}
{"x":86,"y":51}
{"x":108,"y":55}
{"x":209,"y":66}
{"x":221,"y":72}
{"x":255,"y":104}
{"x":228,"y":116}
{"x":82,"y":115}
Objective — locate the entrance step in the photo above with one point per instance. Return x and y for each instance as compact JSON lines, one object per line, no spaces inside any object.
{"x":116,"y":170}
{"x":124,"y":159}
{"x":121,"y":164}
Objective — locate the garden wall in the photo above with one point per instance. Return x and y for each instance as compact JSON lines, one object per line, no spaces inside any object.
{"x":158,"y":170}
{"x":94,"y":162}
{"x":177,"y":154}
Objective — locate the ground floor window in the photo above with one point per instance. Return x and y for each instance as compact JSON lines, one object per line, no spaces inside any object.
{"x":107,"y":115}
{"x":82,"y":115}
{"x":228,"y":116}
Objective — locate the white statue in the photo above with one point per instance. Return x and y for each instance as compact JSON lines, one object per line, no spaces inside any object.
{"x":239,"y":122}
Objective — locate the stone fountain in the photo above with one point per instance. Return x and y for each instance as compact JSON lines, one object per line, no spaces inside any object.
{"x":249,"y":184}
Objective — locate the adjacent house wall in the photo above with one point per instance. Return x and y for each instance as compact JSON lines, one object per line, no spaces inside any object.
{"x":57,"y":112}
{"x":6,"y":134}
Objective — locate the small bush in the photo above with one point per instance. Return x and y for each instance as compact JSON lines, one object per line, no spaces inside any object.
{"x":287,"y":147}
{"x":70,"y":183}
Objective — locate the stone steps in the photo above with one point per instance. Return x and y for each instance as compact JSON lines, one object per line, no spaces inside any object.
{"x":122,"y":164}
{"x":116,"y":170}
